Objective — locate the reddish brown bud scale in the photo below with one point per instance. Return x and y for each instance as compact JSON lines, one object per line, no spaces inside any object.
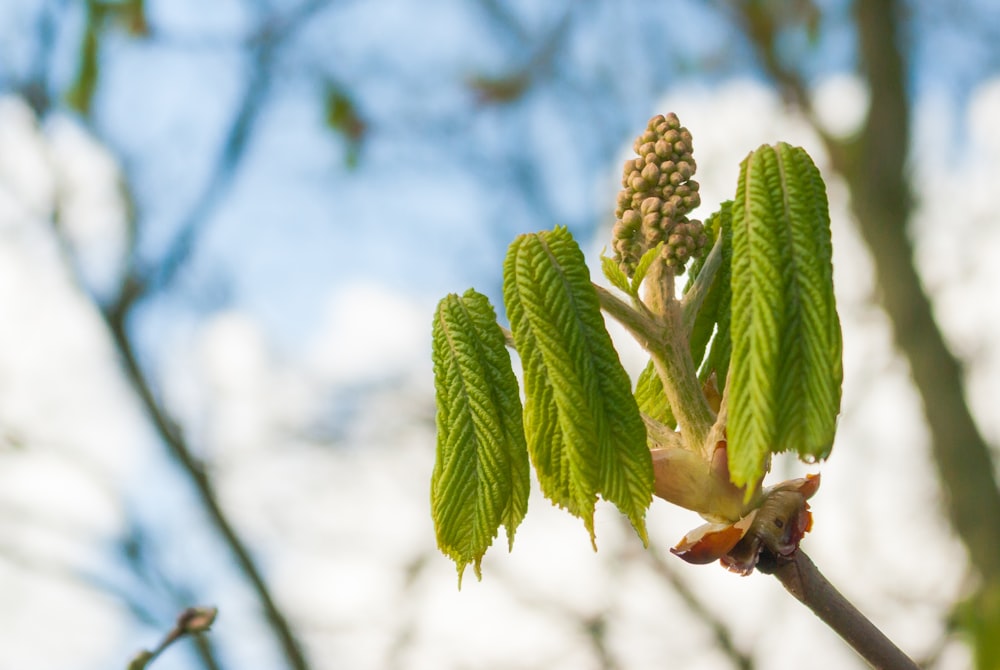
{"x":776,"y":526}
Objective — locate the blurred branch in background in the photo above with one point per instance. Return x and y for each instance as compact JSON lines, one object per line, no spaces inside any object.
{"x":140,"y":282}
{"x":874,"y":166}
{"x":723,"y":638}
{"x":515,"y":116}
{"x":192,"y":622}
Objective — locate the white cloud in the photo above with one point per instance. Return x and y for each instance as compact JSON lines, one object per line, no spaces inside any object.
{"x":92,"y":208}
{"x":841,"y":102}
{"x":26,"y":181}
{"x":369,"y":332}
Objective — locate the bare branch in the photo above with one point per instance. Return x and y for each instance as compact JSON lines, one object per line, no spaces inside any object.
{"x":720,"y":632}
{"x":140,"y":282}
{"x":802,"y":579}
{"x":193,"y":621}
{"x":173,"y":437}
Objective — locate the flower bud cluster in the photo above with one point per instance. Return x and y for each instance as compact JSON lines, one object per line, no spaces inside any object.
{"x":657,"y":194}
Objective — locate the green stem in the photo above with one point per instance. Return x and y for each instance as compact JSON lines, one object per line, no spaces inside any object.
{"x":673,"y":363}
{"x":665,"y":338}
{"x":643,"y":328}
{"x":695,"y":296}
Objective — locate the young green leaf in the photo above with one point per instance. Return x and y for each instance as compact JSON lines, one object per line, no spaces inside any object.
{"x":585,"y":434}
{"x":642,"y":268}
{"x":714,"y":315}
{"x":786,"y":357}
{"x":615,"y":274}
{"x":480,"y":477}
{"x":650,"y":397}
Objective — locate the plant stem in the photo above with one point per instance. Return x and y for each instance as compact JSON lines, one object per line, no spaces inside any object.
{"x":672,"y":359}
{"x":695,"y":296}
{"x":641,"y":326}
{"x":666,"y":341}
{"x":799,"y":575}
{"x":176,"y":442}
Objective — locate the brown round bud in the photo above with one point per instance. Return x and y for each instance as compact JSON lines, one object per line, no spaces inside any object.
{"x":657,"y":192}
{"x":650,"y":205}
{"x":651,"y":174}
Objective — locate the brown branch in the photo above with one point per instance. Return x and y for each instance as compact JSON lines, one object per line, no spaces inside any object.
{"x":882,"y":202}
{"x":799,"y":575}
{"x":193,"y":621}
{"x":139,"y":283}
{"x":723,"y":639}
{"x":875,"y":168}
{"x":173,"y":437}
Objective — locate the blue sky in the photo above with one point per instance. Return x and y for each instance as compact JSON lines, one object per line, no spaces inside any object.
{"x":313,"y":280}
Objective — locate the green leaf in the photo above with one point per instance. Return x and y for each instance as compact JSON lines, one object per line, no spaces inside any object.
{"x":80,"y":96}
{"x":786,"y":358}
{"x":615,"y":275}
{"x":344,"y":118}
{"x":712,"y":321}
{"x":978,"y":619}
{"x":711,"y":229}
{"x":585,"y":435}
{"x":642,"y":268}
{"x":480,"y":477}
{"x":650,"y":396}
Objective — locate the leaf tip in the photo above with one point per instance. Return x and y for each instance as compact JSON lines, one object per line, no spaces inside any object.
{"x":640,"y":530}
{"x":588,"y":522}
{"x":477,"y":568}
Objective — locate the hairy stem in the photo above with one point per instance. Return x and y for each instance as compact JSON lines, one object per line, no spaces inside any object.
{"x":672,"y":359}
{"x":666,"y":341}
{"x":695,"y":296}
{"x":799,"y":575}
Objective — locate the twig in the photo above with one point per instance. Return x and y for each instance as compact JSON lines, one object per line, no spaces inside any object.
{"x":799,"y":575}
{"x":172,"y":436}
{"x":192,"y":621}
{"x":719,"y":630}
{"x":139,"y":283}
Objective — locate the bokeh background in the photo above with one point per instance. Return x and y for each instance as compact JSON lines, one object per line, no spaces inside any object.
{"x":224,"y":227}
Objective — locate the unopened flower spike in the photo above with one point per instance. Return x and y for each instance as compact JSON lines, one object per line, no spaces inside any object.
{"x":657,"y":194}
